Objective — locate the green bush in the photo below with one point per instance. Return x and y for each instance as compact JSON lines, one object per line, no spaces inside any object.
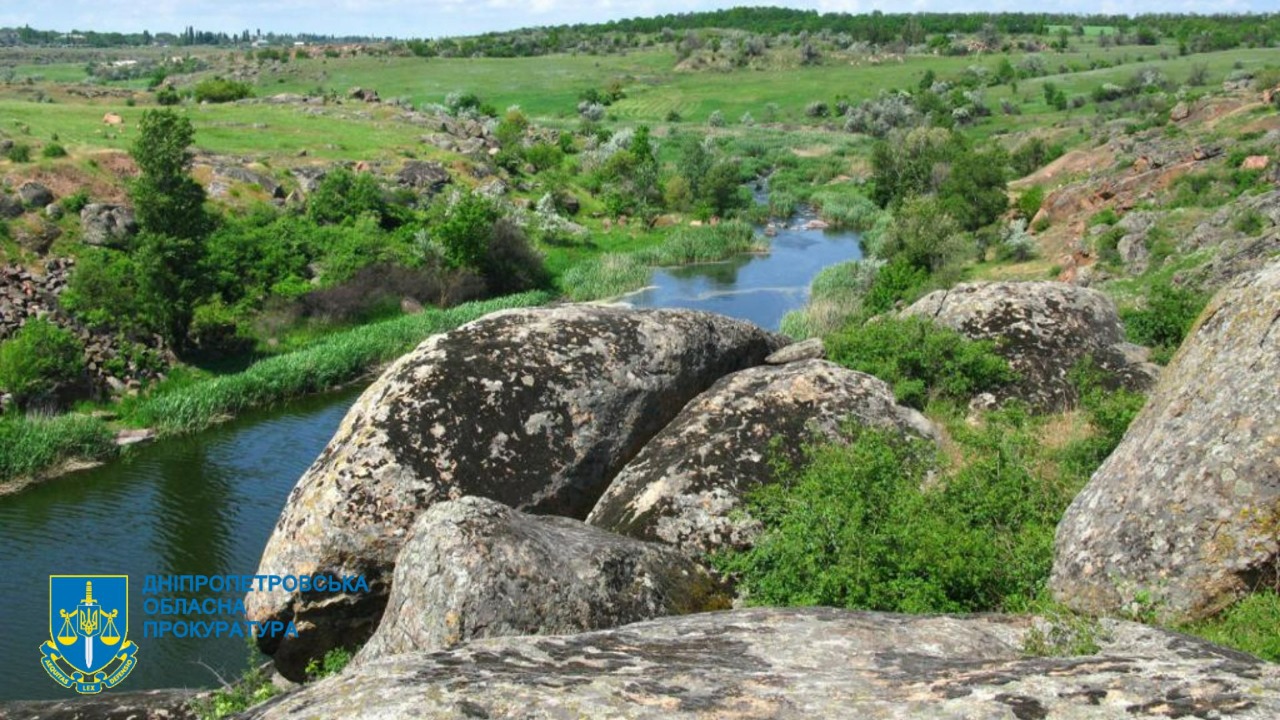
{"x":898,"y":281}
{"x":168,"y":96}
{"x":343,"y":196}
{"x":222,"y":90}
{"x":38,"y":359}
{"x":858,"y":526}
{"x":923,"y":234}
{"x":919,"y":359}
{"x":332,"y":663}
{"x":53,"y":150}
{"x":1030,"y":201}
{"x":19,"y":153}
{"x":1165,"y":320}
{"x":76,"y":201}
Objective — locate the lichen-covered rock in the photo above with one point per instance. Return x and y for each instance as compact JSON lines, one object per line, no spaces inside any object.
{"x":423,"y":176}
{"x":1187,"y":508}
{"x":535,"y":408}
{"x":1043,"y":329}
{"x":686,"y":486}
{"x":109,"y":225}
{"x":475,"y":568}
{"x":811,"y":349}
{"x":143,"y":705}
{"x":35,"y":195}
{"x":801,"y":664}
{"x":10,"y":207}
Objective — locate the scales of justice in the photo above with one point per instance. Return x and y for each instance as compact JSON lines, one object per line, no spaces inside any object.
{"x":88,"y":617}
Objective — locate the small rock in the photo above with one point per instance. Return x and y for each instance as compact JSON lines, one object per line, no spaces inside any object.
{"x":125,"y":438}
{"x":811,"y":349}
{"x":35,"y":195}
{"x":53,"y":211}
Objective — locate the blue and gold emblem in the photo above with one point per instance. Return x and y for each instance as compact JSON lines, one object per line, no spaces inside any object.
{"x":88,"y":648}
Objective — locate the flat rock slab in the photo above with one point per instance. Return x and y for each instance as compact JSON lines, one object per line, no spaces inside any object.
{"x":1186,"y":510}
{"x":535,"y":408}
{"x":803,"y":664}
{"x":145,"y":705}
{"x":476,"y":568}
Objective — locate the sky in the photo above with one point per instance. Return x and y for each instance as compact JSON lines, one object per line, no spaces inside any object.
{"x":438,"y":18}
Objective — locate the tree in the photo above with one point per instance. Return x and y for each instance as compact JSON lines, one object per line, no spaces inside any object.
{"x":166,"y":199}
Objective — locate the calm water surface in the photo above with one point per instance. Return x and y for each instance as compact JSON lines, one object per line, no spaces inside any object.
{"x":205,"y":505}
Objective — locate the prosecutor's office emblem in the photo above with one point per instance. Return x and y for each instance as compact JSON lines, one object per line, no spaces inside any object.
{"x":88,"y":649}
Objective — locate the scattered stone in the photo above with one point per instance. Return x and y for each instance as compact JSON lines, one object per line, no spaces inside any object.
{"x":225,"y":176}
{"x":811,"y":349}
{"x":798,"y":664}
{"x":36,"y":234}
{"x":1043,"y":329}
{"x":10,"y":207}
{"x":35,"y":195}
{"x":107,"y":225}
{"x":309,"y":178}
{"x":475,"y":568}
{"x":1185,"y":511}
{"x":816,"y":225}
{"x":1255,"y":162}
{"x":1180,"y":112}
{"x":53,"y":211}
{"x":686,"y":487}
{"x":409,"y":306}
{"x":492,"y":188}
{"x":556,"y":401}
{"x":125,"y":438}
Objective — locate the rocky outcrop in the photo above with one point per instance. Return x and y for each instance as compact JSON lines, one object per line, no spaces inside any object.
{"x":535,"y":408}
{"x":686,"y":486}
{"x":1043,"y":329}
{"x":811,"y":349}
{"x":475,"y":568}
{"x":801,"y":664}
{"x":429,"y":177}
{"x":227,"y":176}
{"x":35,"y":195}
{"x":10,"y":206}
{"x":144,"y":705}
{"x":1186,"y":510}
{"x":109,"y":225}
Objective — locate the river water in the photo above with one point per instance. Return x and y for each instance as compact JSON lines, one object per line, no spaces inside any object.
{"x":205,"y":505}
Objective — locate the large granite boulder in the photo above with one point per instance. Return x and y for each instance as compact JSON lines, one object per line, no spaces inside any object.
{"x":686,"y":486}
{"x":536,"y":408}
{"x":1043,"y":329}
{"x":801,"y":664}
{"x":475,"y":568}
{"x":1186,"y":511}
{"x":109,"y":225}
{"x":140,"y":705}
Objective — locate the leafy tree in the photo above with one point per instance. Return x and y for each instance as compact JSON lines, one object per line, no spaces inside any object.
{"x":343,"y":196}
{"x":166,"y":199}
{"x":974,"y":191}
{"x":924,"y":235}
{"x":463,"y":230}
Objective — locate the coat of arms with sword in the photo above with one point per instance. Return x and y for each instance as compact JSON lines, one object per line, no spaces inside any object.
{"x":90,"y":631}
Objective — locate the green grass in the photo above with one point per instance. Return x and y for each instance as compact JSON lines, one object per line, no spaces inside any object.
{"x":329,"y":363}
{"x":1251,"y":625}
{"x":31,"y":444}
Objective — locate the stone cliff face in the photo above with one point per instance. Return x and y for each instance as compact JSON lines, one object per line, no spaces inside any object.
{"x":537,"y":409}
{"x":1187,"y":509}
{"x":801,"y":663}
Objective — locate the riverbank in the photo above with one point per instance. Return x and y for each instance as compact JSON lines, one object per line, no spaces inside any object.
{"x":34,"y":449}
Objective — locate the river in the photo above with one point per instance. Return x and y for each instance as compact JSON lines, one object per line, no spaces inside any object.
{"x":205,"y":505}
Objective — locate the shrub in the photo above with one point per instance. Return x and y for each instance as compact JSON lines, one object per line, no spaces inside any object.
{"x":919,"y":359}
{"x":19,"y":153}
{"x":343,"y":196}
{"x":859,"y":527}
{"x":1030,"y":201}
{"x":221,"y":90}
{"x":168,"y":96}
{"x":40,"y":359}
{"x":332,"y":663}
{"x":817,"y":109}
{"x":716,"y":119}
{"x":1165,"y":320}
{"x":923,"y":234}
{"x":76,"y":201}
{"x":53,"y":150}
